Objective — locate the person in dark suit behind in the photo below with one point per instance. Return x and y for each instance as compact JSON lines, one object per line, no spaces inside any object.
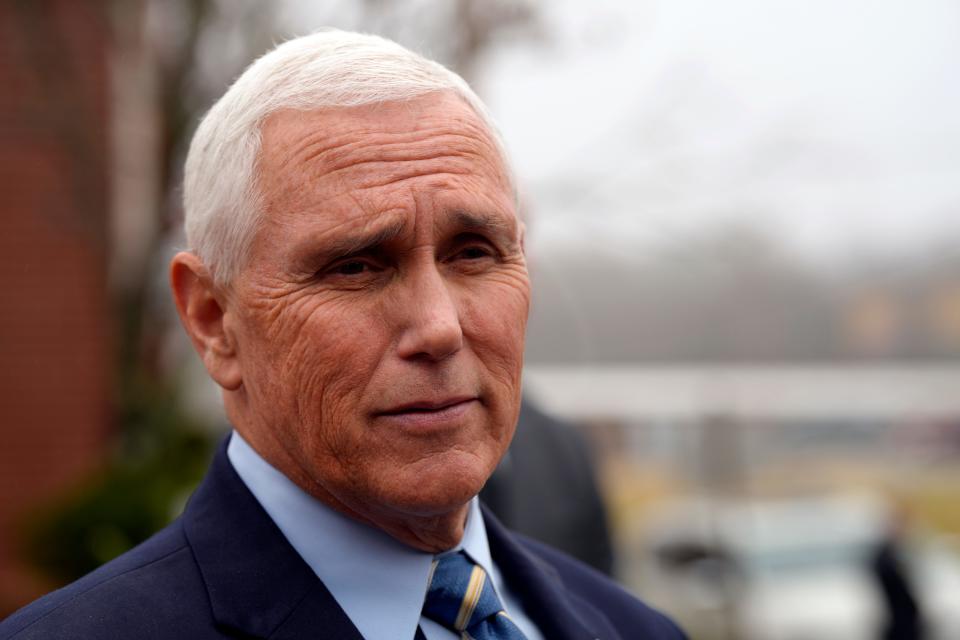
{"x":904,"y":620}
{"x":356,"y":285}
{"x":545,"y":487}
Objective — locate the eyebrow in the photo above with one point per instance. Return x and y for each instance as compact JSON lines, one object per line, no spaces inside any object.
{"x":471,"y":222}
{"x":465,"y":222}
{"x":358,"y":243}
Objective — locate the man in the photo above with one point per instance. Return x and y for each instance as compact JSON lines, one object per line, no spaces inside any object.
{"x":356,"y":285}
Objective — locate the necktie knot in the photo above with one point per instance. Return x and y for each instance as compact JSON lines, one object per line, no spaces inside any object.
{"x":462,"y":599}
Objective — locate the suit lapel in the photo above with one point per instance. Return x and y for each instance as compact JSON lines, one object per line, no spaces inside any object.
{"x":557,"y":613}
{"x":257,"y":583}
{"x":317,"y":616}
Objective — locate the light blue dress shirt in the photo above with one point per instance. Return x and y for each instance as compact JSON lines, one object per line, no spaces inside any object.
{"x":379,"y":582}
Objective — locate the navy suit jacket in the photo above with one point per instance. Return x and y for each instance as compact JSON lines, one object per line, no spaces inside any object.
{"x":224,"y":570}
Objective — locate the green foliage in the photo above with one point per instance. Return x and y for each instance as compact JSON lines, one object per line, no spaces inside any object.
{"x":161,"y":457}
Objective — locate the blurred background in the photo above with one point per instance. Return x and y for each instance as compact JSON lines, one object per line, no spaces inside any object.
{"x":744,"y":233}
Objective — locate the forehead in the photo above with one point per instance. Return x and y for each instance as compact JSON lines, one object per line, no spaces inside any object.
{"x":377,"y":148}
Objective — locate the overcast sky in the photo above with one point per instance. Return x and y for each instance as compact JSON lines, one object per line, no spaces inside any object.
{"x":831,"y":123}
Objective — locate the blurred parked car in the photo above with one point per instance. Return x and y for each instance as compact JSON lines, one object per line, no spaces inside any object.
{"x":788,"y":570}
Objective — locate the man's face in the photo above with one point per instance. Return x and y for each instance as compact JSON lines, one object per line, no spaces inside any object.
{"x":379,"y":321}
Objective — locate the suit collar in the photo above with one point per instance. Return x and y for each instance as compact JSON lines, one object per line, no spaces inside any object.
{"x":259,"y":585}
{"x":255,"y":580}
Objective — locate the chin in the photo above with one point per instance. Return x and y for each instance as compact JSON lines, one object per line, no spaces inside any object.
{"x":440,"y":490}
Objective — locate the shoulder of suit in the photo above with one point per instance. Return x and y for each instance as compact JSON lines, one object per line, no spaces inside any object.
{"x":596,"y":590}
{"x":120,"y":598}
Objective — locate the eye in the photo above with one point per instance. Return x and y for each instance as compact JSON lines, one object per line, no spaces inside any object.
{"x":472,"y":255}
{"x":351,"y":268}
{"x":473,"y":252}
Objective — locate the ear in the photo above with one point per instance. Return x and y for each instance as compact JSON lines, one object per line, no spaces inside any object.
{"x":202,"y":311}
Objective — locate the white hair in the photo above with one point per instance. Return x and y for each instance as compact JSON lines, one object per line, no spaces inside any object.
{"x":327,"y":69}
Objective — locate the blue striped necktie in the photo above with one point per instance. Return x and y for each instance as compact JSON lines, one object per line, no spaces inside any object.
{"x":462,"y":599}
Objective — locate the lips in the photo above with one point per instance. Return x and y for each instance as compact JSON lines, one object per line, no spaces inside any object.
{"x":430,"y":415}
{"x":426,"y":406}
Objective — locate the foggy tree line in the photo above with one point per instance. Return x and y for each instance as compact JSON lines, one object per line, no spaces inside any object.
{"x":737,"y":294}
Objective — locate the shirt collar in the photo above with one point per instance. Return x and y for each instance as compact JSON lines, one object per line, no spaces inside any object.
{"x":365,"y":569}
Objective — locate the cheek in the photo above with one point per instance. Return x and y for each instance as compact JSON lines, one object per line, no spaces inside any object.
{"x":495,"y":325}
{"x":333,"y":359}
{"x":310,"y":368}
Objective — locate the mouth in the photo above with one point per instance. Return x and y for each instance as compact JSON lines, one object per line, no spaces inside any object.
{"x":430,"y":413}
{"x":427,"y":406}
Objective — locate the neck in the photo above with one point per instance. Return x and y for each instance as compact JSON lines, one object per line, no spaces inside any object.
{"x":433,"y":531}
{"x":432,"y":534}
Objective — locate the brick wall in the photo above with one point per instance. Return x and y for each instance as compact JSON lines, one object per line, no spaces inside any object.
{"x":54,"y":354}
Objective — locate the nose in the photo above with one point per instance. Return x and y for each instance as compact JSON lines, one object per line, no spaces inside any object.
{"x":431,"y":328}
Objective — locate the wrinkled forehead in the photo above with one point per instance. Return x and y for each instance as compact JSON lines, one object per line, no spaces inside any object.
{"x":435,"y":133}
{"x":421,"y":166}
